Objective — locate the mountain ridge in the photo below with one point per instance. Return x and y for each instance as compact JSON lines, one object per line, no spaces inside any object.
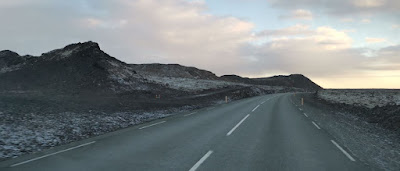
{"x":85,"y":67}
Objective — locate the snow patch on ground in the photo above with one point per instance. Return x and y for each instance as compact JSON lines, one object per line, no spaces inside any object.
{"x":9,"y":69}
{"x":27,"y":133}
{"x":67,"y":53}
{"x":59,"y":54}
{"x":188,"y":84}
{"x":365,"y":98}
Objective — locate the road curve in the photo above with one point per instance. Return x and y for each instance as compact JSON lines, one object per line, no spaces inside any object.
{"x":260,"y":133}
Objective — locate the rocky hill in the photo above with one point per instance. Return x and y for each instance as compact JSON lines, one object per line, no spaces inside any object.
{"x":81,"y":67}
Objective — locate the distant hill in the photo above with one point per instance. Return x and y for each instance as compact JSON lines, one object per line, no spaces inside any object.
{"x":293,"y":80}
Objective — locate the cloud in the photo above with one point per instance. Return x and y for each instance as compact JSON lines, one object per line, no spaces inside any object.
{"x":386,"y":59}
{"x":342,"y":7}
{"x":299,"y":14}
{"x":350,"y":31}
{"x":98,"y":23}
{"x":369,"y":3}
{"x":396,"y":26}
{"x":365,"y":20}
{"x":347,"y":20}
{"x":296,"y":30}
{"x":374,"y":40}
{"x":325,"y":36}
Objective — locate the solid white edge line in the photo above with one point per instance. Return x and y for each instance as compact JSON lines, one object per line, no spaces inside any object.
{"x":152,"y":124}
{"x":204,"y":158}
{"x":190,"y":114}
{"x":343,"y":151}
{"x":315,"y":125}
{"x":255,"y":108}
{"x":47,"y":155}
{"x":305,"y":115}
{"x":237,"y":125}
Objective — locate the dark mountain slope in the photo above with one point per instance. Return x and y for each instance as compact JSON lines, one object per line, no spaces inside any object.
{"x":80,"y":67}
{"x":10,"y":61}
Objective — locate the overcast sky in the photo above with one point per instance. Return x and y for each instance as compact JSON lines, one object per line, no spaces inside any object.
{"x":338,"y":43}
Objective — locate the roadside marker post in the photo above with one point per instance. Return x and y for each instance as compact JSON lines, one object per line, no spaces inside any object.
{"x":226,"y":99}
{"x":302,"y":101}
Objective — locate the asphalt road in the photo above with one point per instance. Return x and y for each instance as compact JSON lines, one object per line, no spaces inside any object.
{"x":260,"y":133}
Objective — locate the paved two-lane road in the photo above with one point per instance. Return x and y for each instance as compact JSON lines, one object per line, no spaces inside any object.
{"x":260,"y":133}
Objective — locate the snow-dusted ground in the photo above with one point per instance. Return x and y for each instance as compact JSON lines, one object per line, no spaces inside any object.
{"x":369,"y":142}
{"x":193,"y":85}
{"x":188,"y":84}
{"x":365,"y":98}
{"x":27,"y":133}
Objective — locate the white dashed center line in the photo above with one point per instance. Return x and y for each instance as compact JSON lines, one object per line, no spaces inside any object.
{"x":204,"y":158}
{"x":237,"y":125}
{"x":255,"y":108}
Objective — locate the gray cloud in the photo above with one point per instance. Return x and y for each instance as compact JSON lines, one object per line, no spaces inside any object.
{"x":342,"y":7}
{"x":296,"y":30}
{"x":298,"y":14}
{"x":385,"y":59}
